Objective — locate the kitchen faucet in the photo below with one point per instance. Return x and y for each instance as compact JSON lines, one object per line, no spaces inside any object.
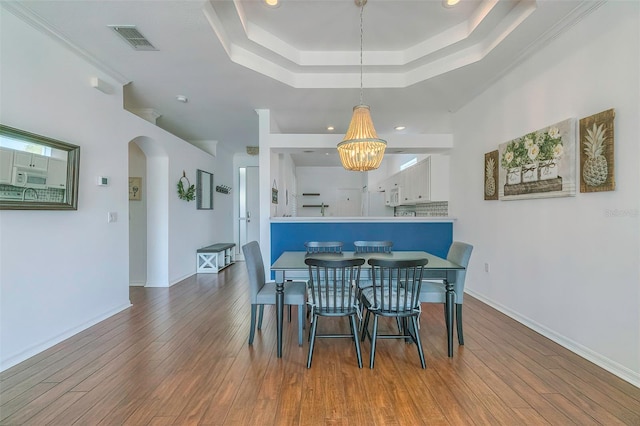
{"x":24,"y":192}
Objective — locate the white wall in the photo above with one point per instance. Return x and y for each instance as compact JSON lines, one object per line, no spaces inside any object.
{"x":62,"y":271}
{"x":326,"y":181}
{"x":564,"y":266}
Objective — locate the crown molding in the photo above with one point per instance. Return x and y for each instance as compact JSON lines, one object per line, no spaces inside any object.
{"x":26,"y":15}
{"x":581,"y":11}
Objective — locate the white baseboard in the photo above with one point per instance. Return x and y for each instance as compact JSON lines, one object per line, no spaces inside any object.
{"x":40,"y":347}
{"x":611,"y":366}
{"x":170,"y":283}
{"x":177,"y":280}
{"x":137,"y":283}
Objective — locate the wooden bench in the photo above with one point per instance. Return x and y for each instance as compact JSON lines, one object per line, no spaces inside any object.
{"x":212,"y":259}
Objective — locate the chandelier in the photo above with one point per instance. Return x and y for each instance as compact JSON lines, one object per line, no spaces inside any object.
{"x":361,"y":149}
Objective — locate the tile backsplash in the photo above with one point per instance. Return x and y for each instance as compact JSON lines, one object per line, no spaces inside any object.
{"x":433,"y":209}
{"x":14,"y":193}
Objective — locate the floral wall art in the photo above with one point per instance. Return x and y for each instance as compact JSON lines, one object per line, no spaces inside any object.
{"x":540,"y":164}
{"x":596,"y":152}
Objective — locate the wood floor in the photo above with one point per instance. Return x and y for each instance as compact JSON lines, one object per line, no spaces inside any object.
{"x":179,"y":356}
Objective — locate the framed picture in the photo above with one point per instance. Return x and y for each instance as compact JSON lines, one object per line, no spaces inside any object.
{"x":491,"y":175}
{"x":135,"y":188}
{"x":596,"y":152}
{"x":540,"y":164}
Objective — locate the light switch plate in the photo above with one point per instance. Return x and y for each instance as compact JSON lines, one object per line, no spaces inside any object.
{"x":112,"y":217}
{"x":102,"y":181}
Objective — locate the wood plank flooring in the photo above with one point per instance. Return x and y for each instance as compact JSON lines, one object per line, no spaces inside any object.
{"x":179,"y":356}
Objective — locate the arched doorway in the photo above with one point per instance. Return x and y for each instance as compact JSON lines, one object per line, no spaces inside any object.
{"x":153,"y":215}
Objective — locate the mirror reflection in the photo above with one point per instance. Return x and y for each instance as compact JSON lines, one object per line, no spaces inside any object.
{"x":204,"y":190}
{"x":36,"y":172}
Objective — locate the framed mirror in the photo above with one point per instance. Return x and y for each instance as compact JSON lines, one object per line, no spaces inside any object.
{"x":37,"y":172}
{"x":204,"y":190}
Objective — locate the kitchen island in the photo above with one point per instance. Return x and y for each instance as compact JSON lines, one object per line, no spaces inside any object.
{"x":430,"y":234}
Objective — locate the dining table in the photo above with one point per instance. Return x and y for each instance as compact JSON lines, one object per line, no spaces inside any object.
{"x":290,"y":266}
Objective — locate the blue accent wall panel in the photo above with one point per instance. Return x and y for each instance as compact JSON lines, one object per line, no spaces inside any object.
{"x":432,"y":237}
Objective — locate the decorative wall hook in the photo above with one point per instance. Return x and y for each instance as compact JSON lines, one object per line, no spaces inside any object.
{"x":223,"y":189}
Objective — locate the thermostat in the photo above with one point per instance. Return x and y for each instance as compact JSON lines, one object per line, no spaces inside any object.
{"x":103,"y":181}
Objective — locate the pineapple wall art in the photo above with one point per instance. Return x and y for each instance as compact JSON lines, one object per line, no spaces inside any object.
{"x":539,"y":164}
{"x":596,"y":152}
{"x":491,"y":175}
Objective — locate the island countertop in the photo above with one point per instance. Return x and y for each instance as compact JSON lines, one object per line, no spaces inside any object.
{"x":365,"y":219}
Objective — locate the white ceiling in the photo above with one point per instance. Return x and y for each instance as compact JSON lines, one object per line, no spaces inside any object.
{"x":301,"y":60}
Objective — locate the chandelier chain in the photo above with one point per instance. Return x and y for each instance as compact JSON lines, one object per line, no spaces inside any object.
{"x":361,"y":36}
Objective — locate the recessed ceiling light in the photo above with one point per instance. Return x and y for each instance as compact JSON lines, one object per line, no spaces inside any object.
{"x":182,"y":98}
{"x":331,"y":128}
{"x":450,"y":3}
{"x":400,"y":127}
{"x":271,"y":3}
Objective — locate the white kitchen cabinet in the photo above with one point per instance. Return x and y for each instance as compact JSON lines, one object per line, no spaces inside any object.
{"x":392,"y":191}
{"x":439,"y":178}
{"x":425,"y":181}
{"x":6,"y":165}
{"x":57,"y":174}
{"x":421,"y":179}
{"x":415,"y":183}
{"x":30,"y":161}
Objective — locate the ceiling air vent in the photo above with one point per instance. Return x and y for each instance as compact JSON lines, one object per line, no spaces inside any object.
{"x":132,"y":36}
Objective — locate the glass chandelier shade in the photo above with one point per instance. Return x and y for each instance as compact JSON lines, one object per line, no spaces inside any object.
{"x":361,"y":150}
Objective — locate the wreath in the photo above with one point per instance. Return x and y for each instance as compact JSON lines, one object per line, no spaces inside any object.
{"x":190,"y":193}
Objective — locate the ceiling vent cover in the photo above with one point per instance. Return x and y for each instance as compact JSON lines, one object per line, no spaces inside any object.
{"x":131,"y":35}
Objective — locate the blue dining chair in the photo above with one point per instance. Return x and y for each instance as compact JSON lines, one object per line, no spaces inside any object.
{"x":434,"y":292}
{"x":264,"y":293}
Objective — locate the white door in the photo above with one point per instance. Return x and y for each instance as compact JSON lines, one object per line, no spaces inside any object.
{"x":249,"y":209}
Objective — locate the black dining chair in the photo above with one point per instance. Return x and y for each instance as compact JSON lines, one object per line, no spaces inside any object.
{"x":332,"y":292}
{"x":395,"y":293}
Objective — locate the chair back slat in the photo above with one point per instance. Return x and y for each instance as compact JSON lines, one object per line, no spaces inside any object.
{"x":323,"y":246}
{"x":396,"y":285}
{"x":373,"y":246}
{"x":332,"y":285}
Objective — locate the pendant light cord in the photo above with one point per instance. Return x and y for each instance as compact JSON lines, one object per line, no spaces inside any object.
{"x":361,"y":35}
